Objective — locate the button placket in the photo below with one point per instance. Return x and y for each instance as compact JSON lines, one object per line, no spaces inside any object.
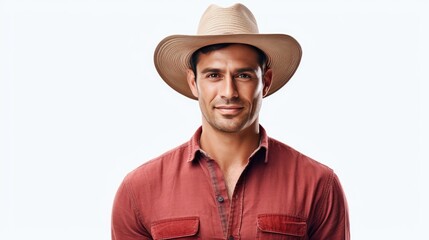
{"x":219,"y":192}
{"x":236,"y":208}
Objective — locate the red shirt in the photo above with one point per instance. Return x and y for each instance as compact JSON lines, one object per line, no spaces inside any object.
{"x":281,"y":194}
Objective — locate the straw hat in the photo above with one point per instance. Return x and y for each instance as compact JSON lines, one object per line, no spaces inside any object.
{"x":235,"y":24}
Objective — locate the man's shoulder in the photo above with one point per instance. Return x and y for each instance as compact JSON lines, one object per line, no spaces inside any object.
{"x":158,"y":166}
{"x":181,"y":152}
{"x":285,"y":154}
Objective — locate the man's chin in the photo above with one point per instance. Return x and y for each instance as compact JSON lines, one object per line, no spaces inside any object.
{"x":229,"y":127}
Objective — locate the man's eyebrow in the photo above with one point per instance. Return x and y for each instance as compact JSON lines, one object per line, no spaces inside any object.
{"x":240,"y":70}
{"x":247,"y":69}
{"x":210,"y":70}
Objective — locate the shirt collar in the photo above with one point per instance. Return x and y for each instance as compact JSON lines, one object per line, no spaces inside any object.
{"x":195,"y":149}
{"x":194,"y":145}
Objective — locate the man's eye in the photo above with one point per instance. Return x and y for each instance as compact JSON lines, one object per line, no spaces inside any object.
{"x":213,"y":75}
{"x":243,"y":75}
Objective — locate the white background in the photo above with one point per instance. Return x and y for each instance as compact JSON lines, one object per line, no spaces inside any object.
{"x":82,"y":105}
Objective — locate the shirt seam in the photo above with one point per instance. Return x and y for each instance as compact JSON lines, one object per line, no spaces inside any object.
{"x":134,"y":205}
{"x":326,"y":190}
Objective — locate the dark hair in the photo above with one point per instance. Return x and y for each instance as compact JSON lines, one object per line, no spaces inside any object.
{"x":262,"y":58}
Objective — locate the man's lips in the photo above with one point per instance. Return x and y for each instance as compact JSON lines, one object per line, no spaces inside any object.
{"x":229,"y":109}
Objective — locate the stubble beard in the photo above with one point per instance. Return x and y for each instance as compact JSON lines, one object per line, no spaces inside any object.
{"x":227,"y":125}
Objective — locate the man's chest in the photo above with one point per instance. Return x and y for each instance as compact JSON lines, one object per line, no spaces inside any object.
{"x":256,"y":209}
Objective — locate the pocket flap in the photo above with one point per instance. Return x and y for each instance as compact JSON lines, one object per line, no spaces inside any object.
{"x":282,"y":224}
{"x":175,"y":228}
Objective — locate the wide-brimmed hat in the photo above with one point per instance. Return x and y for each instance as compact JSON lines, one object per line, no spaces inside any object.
{"x":235,"y":24}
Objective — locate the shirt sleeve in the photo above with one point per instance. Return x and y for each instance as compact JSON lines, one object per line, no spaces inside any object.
{"x":332,"y":218}
{"x":126,"y":224}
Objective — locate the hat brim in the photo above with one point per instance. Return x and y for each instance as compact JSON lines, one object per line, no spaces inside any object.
{"x":173,"y":53}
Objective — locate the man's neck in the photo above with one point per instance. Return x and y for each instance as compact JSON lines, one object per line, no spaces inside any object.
{"x":230,"y":150}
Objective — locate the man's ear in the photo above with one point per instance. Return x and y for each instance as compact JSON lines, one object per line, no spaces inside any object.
{"x":192,"y":82}
{"x":267,"y":80}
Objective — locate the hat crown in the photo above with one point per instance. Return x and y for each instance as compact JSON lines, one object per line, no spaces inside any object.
{"x":236,"y":19}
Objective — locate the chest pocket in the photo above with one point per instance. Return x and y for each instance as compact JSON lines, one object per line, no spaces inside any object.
{"x":275,"y":226}
{"x":181,"y":228}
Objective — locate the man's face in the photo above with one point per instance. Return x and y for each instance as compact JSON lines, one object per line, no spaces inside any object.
{"x":230,"y":86}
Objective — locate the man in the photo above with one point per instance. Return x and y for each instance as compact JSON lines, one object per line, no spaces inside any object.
{"x":230,"y":181}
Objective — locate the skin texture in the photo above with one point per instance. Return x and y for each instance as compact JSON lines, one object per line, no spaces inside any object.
{"x":230,"y":86}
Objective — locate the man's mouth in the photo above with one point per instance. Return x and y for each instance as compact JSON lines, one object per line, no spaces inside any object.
{"x":229,"y":109}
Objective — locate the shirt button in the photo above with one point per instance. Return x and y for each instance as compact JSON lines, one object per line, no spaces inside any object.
{"x":230,"y":238}
{"x":220,"y":199}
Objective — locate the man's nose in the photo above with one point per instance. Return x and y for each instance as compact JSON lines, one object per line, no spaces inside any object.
{"x":229,"y":88}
